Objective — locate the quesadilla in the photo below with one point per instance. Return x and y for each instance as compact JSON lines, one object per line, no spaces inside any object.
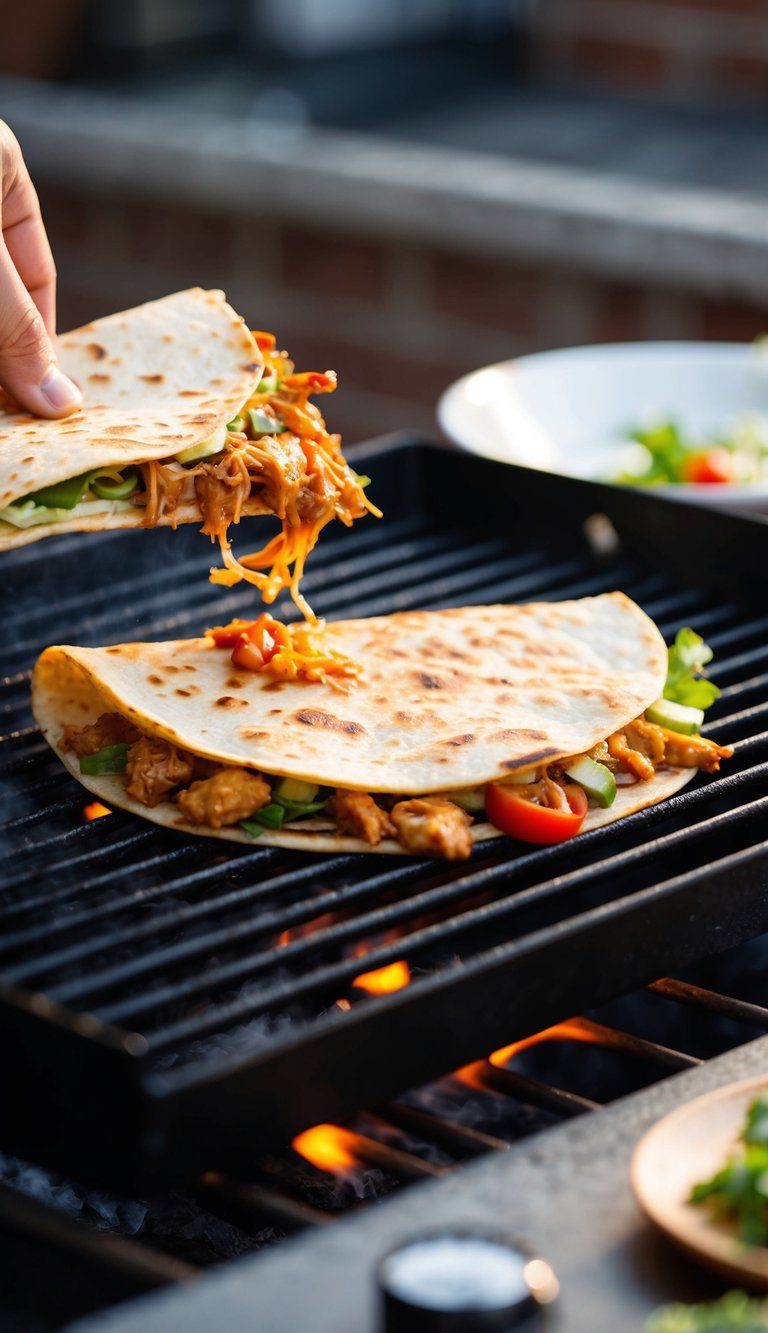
{"x":414,"y":733}
{"x":186,"y":416}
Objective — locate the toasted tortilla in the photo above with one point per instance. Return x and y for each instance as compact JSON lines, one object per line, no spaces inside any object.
{"x":447,"y":700}
{"x":155,"y":380}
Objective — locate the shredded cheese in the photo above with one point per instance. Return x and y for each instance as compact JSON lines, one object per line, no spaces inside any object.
{"x":286,"y":652}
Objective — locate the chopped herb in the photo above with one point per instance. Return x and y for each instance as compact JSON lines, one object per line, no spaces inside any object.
{"x":110,"y":759}
{"x":686,"y":683}
{"x":740,"y":1188}
{"x":736,"y":1311}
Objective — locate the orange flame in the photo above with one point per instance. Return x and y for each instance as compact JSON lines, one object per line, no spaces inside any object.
{"x":95,"y":810}
{"x":326,"y":1146}
{"x":384,"y":979}
{"x":567,"y":1031}
{"x":570,"y":1030}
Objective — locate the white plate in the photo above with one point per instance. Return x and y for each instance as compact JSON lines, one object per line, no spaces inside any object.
{"x":568,"y":411}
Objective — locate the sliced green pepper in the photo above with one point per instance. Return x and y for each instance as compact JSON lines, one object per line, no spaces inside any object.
{"x":596,"y":779}
{"x":237,"y":423}
{"x":263,"y":423}
{"x":104,"y":485}
{"x":64,"y":495}
{"x":110,"y":759}
{"x":269,"y":384}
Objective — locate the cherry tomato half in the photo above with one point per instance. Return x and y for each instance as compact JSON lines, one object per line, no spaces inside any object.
{"x":709,"y":466}
{"x":514,"y":813}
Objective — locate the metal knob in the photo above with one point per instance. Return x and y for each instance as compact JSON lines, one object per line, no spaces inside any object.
{"x":462,"y":1282}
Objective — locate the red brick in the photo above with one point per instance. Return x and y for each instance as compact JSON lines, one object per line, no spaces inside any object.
{"x":616,"y":63}
{"x":717,"y":7}
{"x":65,"y":214}
{"x":619,"y":312}
{"x":332,"y":264}
{"x":178,"y":237}
{"x":366,"y":368}
{"x":743,"y":74}
{"x":728,"y":321}
{"x":496,"y":294}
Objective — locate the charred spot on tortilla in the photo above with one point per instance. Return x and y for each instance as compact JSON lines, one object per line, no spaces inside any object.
{"x":431,"y":682}
{"x":229,"y":701}
{"x":96,"y":351}
{"x":528,"y":760}
{"x":253,"y":734}
{"x":157,"y":378}
{"x":513,"y":734}
{"x":315,"y":717}
{"x":235,"y":683}
{"x":98,"y":378}
{"x":460,"y":740}
{"x":154,"y":679}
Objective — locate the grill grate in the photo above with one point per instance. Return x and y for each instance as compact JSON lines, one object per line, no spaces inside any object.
{"x":194,"y":985}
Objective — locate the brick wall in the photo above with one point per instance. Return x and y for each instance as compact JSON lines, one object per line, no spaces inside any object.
{"x":696,"y":50}
{"x":397,"y":322}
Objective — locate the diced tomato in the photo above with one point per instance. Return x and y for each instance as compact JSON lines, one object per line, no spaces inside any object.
{"x":513,"y":811}
{"x":246,"y":655}
{"x":312,"y":381}
{"x":264,"y":341}
{"x":709,"y":466}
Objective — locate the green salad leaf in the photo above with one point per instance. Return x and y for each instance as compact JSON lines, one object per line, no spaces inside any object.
{"x":735,"y":1312}
{"x":686,"y":682}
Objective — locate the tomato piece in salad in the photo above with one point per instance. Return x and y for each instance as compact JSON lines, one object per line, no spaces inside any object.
{"x":524,"y":812}
{"x":708,"y":466}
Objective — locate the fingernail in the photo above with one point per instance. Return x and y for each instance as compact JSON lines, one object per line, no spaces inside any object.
{"x":59,"y":390}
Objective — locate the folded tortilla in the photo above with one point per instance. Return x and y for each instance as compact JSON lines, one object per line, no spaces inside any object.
{"x":156,"y":380}
{"x":447,"y":700}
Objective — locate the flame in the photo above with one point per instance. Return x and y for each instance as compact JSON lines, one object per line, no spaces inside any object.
{"x":570,"y":1030}
{"x":326,"y":1146}
{"x":384,"y":979}
{"x":567,"y":1031}
{"x":95,"y":810}
{"x":344,"y":1005}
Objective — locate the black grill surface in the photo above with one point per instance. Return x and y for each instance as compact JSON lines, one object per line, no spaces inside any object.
{"x":169,"y":1004}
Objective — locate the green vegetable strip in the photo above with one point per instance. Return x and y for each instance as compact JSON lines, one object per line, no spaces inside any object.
{"x":64,"y":495}
{"x":106,"y":487}
{"x":110,"y":759}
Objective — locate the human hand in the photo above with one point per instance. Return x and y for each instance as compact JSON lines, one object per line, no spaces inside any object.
{"x":28,"y":369}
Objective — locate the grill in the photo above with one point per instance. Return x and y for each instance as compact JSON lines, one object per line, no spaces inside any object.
{"x":180,"y":998}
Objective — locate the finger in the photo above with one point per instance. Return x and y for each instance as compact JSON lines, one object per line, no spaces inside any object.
{"x":24,"y":231}
{"x":27,"y":242}
{"x":28,"y":370}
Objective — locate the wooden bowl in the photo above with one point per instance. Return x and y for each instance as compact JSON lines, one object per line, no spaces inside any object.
{"x":689,"y":1146}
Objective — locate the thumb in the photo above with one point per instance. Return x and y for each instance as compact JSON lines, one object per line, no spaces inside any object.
{"x":28,"y":369}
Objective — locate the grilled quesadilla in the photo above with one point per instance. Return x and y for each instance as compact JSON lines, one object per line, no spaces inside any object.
{"x":187,"y":417}
{"x":418,"y":733}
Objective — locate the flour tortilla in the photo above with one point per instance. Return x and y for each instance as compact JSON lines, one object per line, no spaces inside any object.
{"x":448,"y":700}
{"x":156,"y":380}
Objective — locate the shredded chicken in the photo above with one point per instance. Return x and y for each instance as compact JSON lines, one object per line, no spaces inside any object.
{"x":639,"y":747}
{"x":433,"y":826}
{"x":108,"y":729}
{"x":221,"y":488}
{"x":154,"y":769}
{"x":358,"y":814}
{"x":165,"y":484}
{"x":693,"y":751}
{"x":230,"y":795}
{"x":642,"y":746}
